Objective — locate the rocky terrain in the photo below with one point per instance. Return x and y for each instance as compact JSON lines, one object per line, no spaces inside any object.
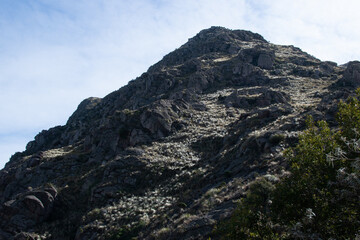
{"x":170,"y":154}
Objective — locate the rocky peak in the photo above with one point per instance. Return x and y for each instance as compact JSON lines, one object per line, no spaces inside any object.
{"x":83,"y":109}
{"x":213,"y":40}
{"x":168,"y":155}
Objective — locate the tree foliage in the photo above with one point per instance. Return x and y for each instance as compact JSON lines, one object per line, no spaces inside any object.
{"x":321,"y":197}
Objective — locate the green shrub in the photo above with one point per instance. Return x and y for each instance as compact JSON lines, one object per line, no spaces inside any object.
{"x":250,"y":220}
{"x":311,"y":196}
{"x":320,"y":199}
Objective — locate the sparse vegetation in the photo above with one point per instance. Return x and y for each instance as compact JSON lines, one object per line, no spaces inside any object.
{"x":276,"y":138}
{"x":94,"y":214}
{"x":126,"y":232}
{"x":182,"y":205}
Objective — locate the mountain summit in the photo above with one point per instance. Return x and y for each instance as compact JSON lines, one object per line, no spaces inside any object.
{"x":168,"y":155}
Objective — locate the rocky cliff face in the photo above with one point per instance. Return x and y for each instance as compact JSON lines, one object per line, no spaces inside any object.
{"x":168,"y":155}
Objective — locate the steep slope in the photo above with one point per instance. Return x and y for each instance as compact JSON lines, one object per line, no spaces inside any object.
{"x":168,"y":155}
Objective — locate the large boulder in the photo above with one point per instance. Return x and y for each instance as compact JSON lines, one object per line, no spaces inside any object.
{"x":40,"y":203}
{"x":257,"y":98}
{"x":27,"y":210}
{"x":265,"y":60}
{"x":35,"y":206}
{"x":257,"y":56}
{"x":158,"y":118}
{"x":352,"y":74}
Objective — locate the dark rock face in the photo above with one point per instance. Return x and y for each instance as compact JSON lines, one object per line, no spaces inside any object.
{"x":167,"y":156}
{"x":352,"y":74}
{"x":27,"y":209}
{"x":158,"y":119}
{"x":256,"y":98}
{"x":265,"y":60}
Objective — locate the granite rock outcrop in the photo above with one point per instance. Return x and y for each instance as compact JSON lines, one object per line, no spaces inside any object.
{"x":169,"y":155}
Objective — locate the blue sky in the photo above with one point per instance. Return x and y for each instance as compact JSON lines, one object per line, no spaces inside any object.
{"x":53,"y":54}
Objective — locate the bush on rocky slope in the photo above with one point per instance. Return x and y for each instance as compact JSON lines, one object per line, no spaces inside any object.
{"x":320,"y":199}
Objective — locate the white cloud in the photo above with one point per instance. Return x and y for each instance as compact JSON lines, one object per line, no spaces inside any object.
{"x":54,"y":54}
{"x":325,"y":29}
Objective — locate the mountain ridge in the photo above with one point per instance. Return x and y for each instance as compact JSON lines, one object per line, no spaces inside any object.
{"x":168,"y":155}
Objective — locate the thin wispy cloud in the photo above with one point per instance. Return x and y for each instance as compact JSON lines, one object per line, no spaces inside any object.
{"x":326,"y":29}
{"x":53,"y":54}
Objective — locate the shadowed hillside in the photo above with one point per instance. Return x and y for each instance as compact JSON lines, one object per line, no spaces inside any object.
{"x":169,"y":155}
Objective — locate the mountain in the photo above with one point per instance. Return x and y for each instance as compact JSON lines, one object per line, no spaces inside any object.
{"x":168,"y":155}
